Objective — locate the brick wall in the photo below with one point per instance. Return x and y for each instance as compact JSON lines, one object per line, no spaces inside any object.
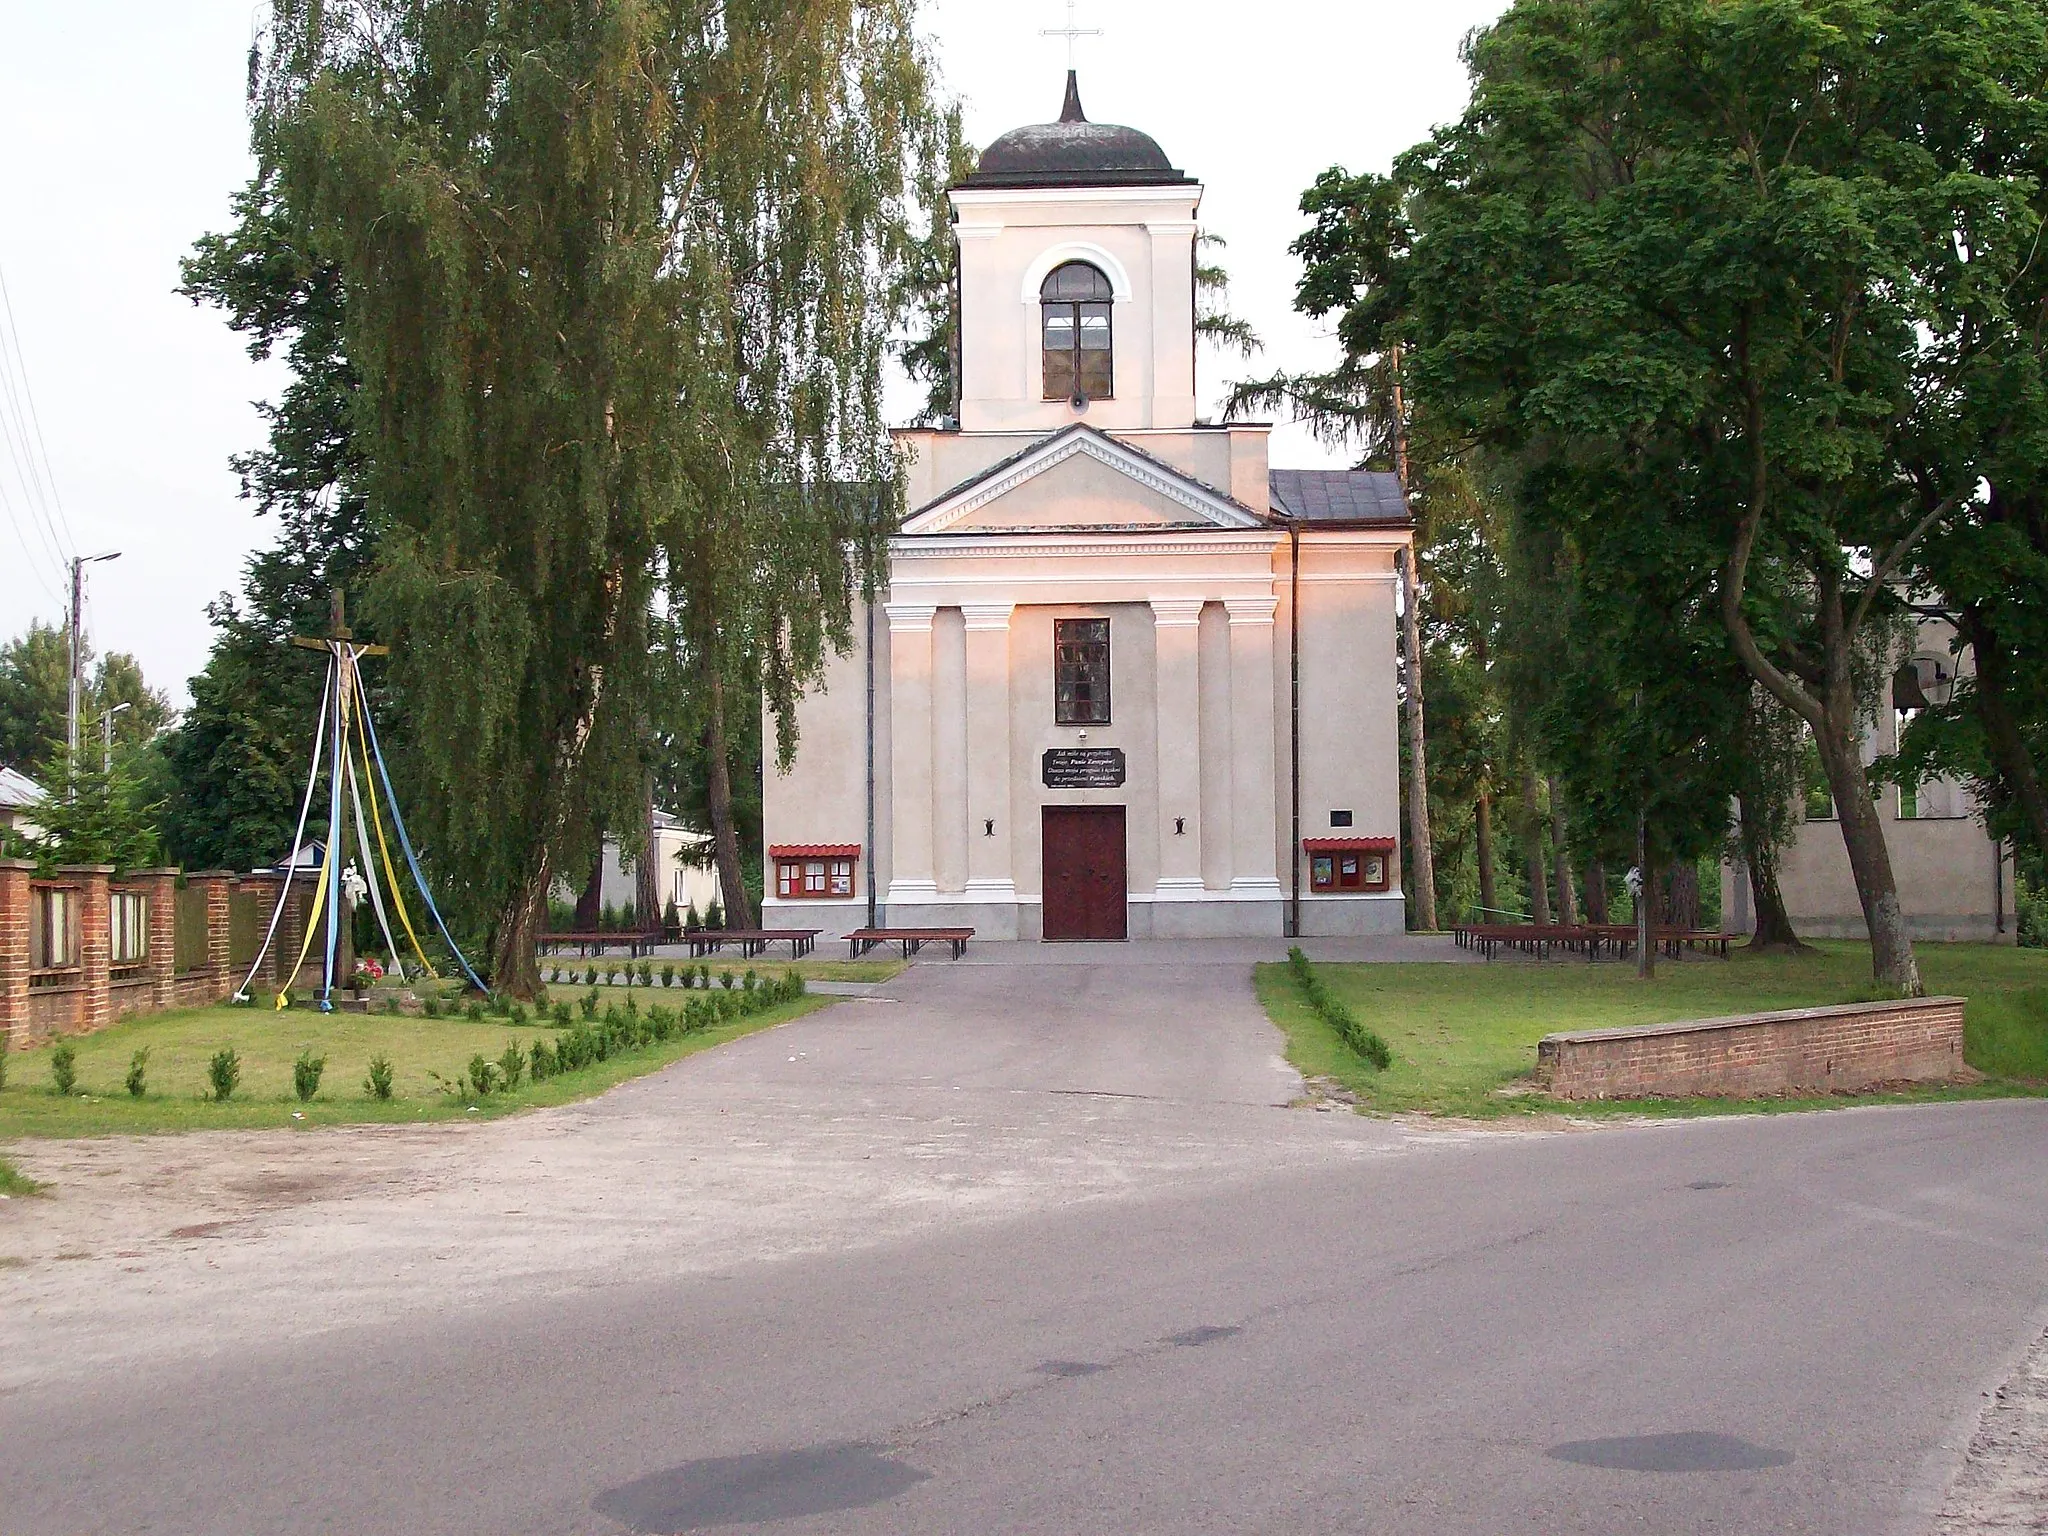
{"x":1803,"y":1050}
{"x":91,"y":997}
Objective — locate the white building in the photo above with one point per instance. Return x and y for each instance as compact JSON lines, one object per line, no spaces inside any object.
{"x":19,"y":796}
{"x":1128,"y":680}
{"x":1955,"y":883}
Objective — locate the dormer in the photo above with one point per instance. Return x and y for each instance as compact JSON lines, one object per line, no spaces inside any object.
{"x":1077,"y":280}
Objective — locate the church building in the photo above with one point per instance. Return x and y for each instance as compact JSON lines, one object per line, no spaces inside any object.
{"x":1128,"y":680}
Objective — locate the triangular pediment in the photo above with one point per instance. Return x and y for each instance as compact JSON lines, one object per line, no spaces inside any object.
{"x":1080,"y":479}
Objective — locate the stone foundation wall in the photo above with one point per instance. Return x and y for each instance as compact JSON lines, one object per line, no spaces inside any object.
{"x":1803,"y":1050}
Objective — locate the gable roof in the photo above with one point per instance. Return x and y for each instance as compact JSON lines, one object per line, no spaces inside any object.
{"x":1339,"y":496}
{"x":17,"y":791}
{"x":1207,"y":507}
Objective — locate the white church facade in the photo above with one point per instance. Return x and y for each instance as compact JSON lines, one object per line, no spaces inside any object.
{"x":1126,"y":680}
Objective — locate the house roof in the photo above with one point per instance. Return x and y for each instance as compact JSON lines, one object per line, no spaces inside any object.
{"x":1339,"y":496}
{"x":1074,"y":152}
{"x":18,"y":791}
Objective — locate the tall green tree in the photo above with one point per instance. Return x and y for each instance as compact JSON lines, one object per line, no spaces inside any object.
{"x":236,"y":766}
{"x":1653,"y":232}
{"x":615,"y":277}
{"x":35,"y":701}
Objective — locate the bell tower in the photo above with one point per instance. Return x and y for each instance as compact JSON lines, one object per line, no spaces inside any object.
{"x":1077,"y":280}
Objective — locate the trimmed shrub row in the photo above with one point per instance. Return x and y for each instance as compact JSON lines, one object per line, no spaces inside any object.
{"x":1328,"y":1007}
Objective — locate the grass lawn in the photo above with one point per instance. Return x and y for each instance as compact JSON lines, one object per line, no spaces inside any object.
{"x":180,"y":1045}
{"x":1460,"y":1033}
{"x":13,"y":1183}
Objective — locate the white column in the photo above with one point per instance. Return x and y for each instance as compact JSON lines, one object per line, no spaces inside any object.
{"x":1177,"y":634}
{"x":1254,"y":805}
{"x":949,"y":752}
{"x":989,"y":833}
{"x":1214,"y":734}
{"x":910,"y":752}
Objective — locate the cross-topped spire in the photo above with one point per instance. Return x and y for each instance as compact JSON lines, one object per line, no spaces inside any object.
{"x":1072,"y":33}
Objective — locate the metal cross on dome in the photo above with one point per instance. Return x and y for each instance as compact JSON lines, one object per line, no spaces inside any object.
{"x":1072,"y":33}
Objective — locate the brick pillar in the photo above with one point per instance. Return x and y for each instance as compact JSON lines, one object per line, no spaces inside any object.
{"x":159,"y":888}
{"x":14,"y":875}
{"x":219,"y":887}
{"x":93,"y":943}
{"x":262,"y":889}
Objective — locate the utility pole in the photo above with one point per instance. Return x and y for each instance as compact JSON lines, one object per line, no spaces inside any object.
{"x":1421,"y":859}
{"x":78,"y":565}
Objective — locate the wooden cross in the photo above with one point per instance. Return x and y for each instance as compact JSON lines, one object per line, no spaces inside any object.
{"x":1073,"y":34}
{"x":339,"y":633}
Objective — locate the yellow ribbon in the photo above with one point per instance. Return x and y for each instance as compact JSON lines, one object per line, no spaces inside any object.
{"x":312,"y":925}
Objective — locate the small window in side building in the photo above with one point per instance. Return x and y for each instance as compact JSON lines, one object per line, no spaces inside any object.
{"x":1081,"y":672}
{"x":1340,"y":818}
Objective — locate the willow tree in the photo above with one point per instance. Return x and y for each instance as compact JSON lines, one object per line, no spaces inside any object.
{"x":611,"y":268}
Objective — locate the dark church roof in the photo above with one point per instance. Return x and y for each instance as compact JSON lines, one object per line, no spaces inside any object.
{"x":1074,"y":152}
{"x":1339,"y":496}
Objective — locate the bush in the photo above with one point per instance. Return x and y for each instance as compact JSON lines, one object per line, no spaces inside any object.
{"x":668,"y":975}
{"x":306,"y":1075}
{"x":646,"y":974}
{"x":391,"y":1007}
{"x":474,"y":1012}
{"x":224,"y":1071}
{"x":431,"y":1007}
{"x":562,"y":1016}
{"x":727,"y":980}
{"x":590,"y":976}
{"x":512,"y":1067}
{"x":704,"y":976}
{"x":542,"y":1061}
{"x":483,"y":1076}
{"x":64,"y":1068}
{"x":517,"y":1015}
{"x":714,"y":915}
{"x":138,"y":1073}
{"x":378,"y":1083}
{"x":1327,"y":1006}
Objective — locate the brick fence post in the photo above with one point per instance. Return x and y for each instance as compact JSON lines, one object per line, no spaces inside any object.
{"x":14,"y":875}
{"x":94,"y":943}
{"x":262,"y":889}
{"x":159,"y":888}
{"x":218,"y":886}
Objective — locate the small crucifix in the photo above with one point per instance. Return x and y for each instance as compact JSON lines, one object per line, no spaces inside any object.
{"x":1072,"y":33}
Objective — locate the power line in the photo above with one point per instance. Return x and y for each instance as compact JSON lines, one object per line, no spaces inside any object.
{"x":25,"y":438}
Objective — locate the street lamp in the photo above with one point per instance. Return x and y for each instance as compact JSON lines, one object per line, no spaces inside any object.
{"x":107,"y":737}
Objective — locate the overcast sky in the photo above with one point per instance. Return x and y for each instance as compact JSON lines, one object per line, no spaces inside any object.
{"x":122,"y":137}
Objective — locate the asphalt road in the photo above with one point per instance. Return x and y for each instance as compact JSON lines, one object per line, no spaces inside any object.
{"x":1775,"y":1324}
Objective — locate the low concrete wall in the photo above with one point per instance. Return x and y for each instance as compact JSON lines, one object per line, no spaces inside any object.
{"x":1803,"y":1050}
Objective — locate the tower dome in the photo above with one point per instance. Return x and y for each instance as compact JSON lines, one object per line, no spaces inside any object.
{"x":1074,"y":152}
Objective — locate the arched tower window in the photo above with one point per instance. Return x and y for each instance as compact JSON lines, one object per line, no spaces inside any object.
{"x":1079,"y":361}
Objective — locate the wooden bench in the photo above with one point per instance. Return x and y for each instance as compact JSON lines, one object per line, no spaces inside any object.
{"x":861,"y":940}
{"x":752,"y":941}
{"x":637,"y":944}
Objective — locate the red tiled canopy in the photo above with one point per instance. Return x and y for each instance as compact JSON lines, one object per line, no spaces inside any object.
{"x":814,"y":851}
{"x":1348,"y":844}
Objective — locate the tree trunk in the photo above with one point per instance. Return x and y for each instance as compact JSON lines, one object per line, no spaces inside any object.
{"x":2017,"y":773}
{"x":725,"y":838}
{"x":1532,"y":820}
{"x":1892,"y":961}
{"x":1421,"y":854}
{"x":1682,"y":910}
{"x":515,"y":959}
{"x":648,"y":873}
{"x":1774,"y":932}
{"x":1561,"y":860}
{"x":1596,"y":893}
{"x":590,"y":904}
{"x":1489,"y":899}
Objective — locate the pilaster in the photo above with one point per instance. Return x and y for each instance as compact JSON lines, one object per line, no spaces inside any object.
{"x":990,"y":837}
{"x":159,"y":890}
{"x":949,"y":752}
{"x":1254,"y":828}
{"x":219,"y":887}
{"x":1177,"y":636}
{"x":912,"y":869}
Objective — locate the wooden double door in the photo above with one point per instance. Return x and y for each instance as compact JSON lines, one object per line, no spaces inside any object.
{"x":1085,"y":873}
